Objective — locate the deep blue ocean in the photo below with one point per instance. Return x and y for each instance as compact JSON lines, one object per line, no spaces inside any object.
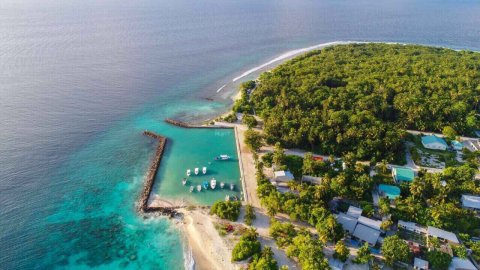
{"x":81,"y":79}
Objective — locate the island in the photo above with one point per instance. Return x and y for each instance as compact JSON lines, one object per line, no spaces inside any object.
{"x":356,"y":156}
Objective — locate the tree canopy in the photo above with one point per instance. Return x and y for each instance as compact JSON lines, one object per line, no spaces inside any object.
{"x":359,"y":97}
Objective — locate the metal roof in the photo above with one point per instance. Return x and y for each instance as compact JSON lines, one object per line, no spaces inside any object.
{"x":348,"y":222}
{"x":471,"y":201}
{"x":432,"y":231}
{"x":366,"y":234}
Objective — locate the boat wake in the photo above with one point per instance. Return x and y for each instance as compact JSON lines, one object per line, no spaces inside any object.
{"x":220,"y":89}
{"x":287,"y":55}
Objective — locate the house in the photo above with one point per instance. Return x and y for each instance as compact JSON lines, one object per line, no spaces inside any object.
{"x":354,"y":211}
{"x":420,"y":264}
{"x":434,"y":142}
{"x":442,"y":235}
{"x":312,"y":179}
{"x":374,"y":224}
{"x":366,"y":234}
{"x":335,"y":264}
{"x":457,"y":145}
{"x":348,"y":222}
{"x":402,"y":174}
{"x":411,"y":226}
{"x":477,"y":133}
{"x":282,"y":176}
{"x":471,"y":202}
{"x":472,"y":145}
{"x":389,"y":191}
{"x":461,"y":264}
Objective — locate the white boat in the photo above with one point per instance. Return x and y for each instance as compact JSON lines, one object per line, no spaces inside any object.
{"x":232,"y":186}
{"x":222,"y":184}
{"x":223,"y":157}
{"x":227,"y":198}
{"x":213,"y":183}
{"x":191,"y":188}
{"x":199,"y":188}
{"x":196,"y":171}
{"x":204,"y":170}
{"x":184,"y":181}
{"x":189,"y":172}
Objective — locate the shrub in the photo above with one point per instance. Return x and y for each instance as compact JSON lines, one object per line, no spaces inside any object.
{"x":247,"y":246}
{"x":249,"y":120}
{"x":227,"y":210}
{"x":249,"y":214}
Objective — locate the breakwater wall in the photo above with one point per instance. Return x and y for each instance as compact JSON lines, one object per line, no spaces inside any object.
{"x":187,"y":125}
{"x":150,"y":179}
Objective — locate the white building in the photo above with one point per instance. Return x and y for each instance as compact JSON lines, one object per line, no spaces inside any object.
{"x":461,"y":264}
{"x":471,"y":202}
{"x":442,"y":235}
{"x":419,"y":264}
{"x":282,"y":176}
{"x":411,"y":226}
{"x":354,"y":211}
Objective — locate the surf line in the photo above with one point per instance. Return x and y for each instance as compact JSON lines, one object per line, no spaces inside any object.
{"x":221,"y":88}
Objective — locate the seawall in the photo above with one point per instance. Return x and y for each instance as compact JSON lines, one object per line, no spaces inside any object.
{"x":186,"y":125}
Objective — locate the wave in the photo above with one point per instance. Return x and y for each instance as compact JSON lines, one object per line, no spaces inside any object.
{"x":188,"y":260}
{"x":220,"y":89}
{"x":290,"y":54}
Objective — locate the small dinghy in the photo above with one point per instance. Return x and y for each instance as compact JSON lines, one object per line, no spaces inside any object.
{"x":205,"y":184}
{"x":184,"y":181}
{"x":232,"y":186}
{"x":213,"y":183}
{"x":189,"y":172}
{"x":199,"y":188}
{"x":196,"y":171}
{"x":204,"y":170}
{"x":222,"y":184}
{"x":191,"y":188}
{"x":223,"y":157}
{"x":227,"y":198}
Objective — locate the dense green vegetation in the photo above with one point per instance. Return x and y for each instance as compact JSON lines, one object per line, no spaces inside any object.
{"x":359,"y":98}
{"x":247,"y":246}
{"x":249,"y":214}
{"x":364,"y":255}
{"x":227,"y":210}
{"x":263,"y":261}
{"x":395,"y":249}
{"x":439,"y":260}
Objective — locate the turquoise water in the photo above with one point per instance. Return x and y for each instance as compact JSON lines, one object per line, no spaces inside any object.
{"x":81,"y":80}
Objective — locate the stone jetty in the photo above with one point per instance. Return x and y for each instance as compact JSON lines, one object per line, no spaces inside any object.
{"x":187,"y":125}
{"x":150,"y":179}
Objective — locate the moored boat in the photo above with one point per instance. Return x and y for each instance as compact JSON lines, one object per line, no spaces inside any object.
{"x":222,"y":184}
{"x":189,"y":172}
{"x":213,"y":183}
{"x":205,"y":184}
{"x":184,"y":181}
{"x":227,"y":198}
{"x":196,"y":171}
{"x":191,"y":188}
{"x":204,"y":170}
{"x":199,"y":188}
{"x":232,"y":186}
{"x":223,"y":157}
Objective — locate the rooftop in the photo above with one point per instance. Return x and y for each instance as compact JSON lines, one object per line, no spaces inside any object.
{"x":374,"y":224}
{"x":432,"y":231}
{"x":471,"y":201}
{"x":391,"y":192}
{"x":420,"y":264}
{"x":354,"y":211}
{"x":283,"y":174}
{"x":461,"y":264}
{"x":366,"y":234}
{"x":348,"y":222}
{"x":457,"y":144}
{"x":403,"y":174}
{"x":430,"y":139}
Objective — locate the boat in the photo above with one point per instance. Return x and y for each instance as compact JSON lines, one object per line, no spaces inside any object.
{"x":223,"y":157}
{"x":199,"y":188}
{"x":184,"y":181}
{"x":189,"y":172}
{"x":205,"y":184}
{"x":222,"y":184}
{"x":204,"y":170}
{"x":234,"y":198}
{"x":196,"y":171}
{"x":232,"y":186}
{"x":227,"y":198}
{"x":213,"y":183}
{"x":191,"y":188}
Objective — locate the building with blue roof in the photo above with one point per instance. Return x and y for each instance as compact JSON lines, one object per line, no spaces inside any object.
{"x":434,"y":142}
{"x":389,"y":191}
{"x":457,"y":145}
{"x":402,"y":174}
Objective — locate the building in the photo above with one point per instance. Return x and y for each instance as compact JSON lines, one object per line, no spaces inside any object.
{"x":461,"y":264}
{"x":434,"y":142}
{"x":471,"y":202}
{"x":412,"y":227}
{"x":354,"y":211}
{"x":282,"y":176}
{"x":348,"y":222}
{"x":472,"y":145}
{"x":366,"y":234}
{"x":420,"y":264}
{"x":442,"y":235}
{"x":402,"y":174}
{"x":457,"y":145}
{"x":374,"y":224}
{"x":388,"y":191}
{"x":335,"y":264}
